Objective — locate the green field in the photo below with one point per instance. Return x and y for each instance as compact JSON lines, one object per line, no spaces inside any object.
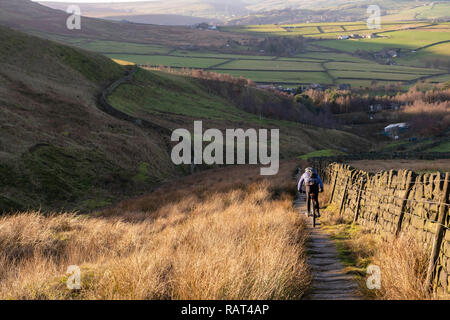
{"x":322,"y":30}
{"x":410,"y":39}
{"x":181,"y":97}
{"x":172,"y":61}
{"x":423,"y":53}
{"x":349,"y":66}
{"x":203,"y":54}
{"x":331,"y":56}
{"x":440,"y":79}
{"x":372,"y":75}
{"x":427,"y":56}
{"x":281,"y":77}
{"x":436,"y":11}
{"x":272,"y":65}
{"x":120,"y":47}
{"x":425,"y":12}
{"x":443,"y":147}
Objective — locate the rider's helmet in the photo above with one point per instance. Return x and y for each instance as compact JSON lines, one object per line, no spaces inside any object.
{"x":309,"y":170}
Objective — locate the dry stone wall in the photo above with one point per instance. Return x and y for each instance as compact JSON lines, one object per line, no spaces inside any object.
{"x":393,"y":202}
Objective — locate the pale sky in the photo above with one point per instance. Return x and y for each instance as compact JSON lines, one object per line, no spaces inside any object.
{"x":90,"y":1}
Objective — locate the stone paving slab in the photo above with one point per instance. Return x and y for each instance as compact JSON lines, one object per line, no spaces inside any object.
{"x":330,"y":281}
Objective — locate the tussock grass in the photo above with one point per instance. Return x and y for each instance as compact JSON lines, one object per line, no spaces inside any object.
{"x":403,"y":261}
{"x":230,"y":241}
{"x":403,"y":264}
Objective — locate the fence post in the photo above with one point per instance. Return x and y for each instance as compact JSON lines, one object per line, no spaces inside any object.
{"x":343,"y":196}
{"x":443,"y":212}
{"x":336,"y":173}
{"x":409,"y":185}
{"x":358,"y":201}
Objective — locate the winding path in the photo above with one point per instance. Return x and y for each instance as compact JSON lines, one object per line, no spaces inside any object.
{"x":330,"y":281}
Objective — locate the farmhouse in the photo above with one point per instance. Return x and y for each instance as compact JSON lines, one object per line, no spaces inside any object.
{"x":395,"y":129}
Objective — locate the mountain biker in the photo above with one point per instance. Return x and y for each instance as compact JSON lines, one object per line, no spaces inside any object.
{"x":313,"y":185}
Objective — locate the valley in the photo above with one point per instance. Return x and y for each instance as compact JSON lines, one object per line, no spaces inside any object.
{"x":166,"y":151}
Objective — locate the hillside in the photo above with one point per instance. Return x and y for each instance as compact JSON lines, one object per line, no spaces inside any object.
{"x":225,"y":234}
{"x":241,"y":12}
{"x":175,"y":101}
{"x":41,"y":20}
{"x":59,"y":150}
{"x":56,"y":148}
{"x":94,"y":207}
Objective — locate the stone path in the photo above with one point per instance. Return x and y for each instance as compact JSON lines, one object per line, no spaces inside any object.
{"x":330,"y":281}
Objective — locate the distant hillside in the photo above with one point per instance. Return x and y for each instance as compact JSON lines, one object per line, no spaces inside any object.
{"x":342,"y":11}
{"x":240,"y":12}
{"x":163,"y":19}
{"x":30,"y":16}
{"x":215,"y":9}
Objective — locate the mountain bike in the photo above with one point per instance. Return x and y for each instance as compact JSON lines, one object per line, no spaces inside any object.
{"x":315,"y":212}
{"x":315,"y":208}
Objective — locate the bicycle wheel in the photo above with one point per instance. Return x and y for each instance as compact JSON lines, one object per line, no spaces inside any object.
{"x":314,"y":215}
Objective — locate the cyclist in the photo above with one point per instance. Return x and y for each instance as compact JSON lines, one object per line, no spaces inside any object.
{"x":313,"y":185}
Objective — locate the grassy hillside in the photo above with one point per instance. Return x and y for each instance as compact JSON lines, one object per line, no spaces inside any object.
{"x":236,"y":50}
{"x":56,"y":148}
{"x":222,"y":234}
{"x":176,"y":101}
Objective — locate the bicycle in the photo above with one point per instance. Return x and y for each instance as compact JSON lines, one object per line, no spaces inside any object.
{"x":315,"y":209}
{"x":315,"y":212}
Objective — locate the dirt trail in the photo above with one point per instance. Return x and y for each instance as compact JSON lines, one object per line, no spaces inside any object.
{"x":330,"y":281}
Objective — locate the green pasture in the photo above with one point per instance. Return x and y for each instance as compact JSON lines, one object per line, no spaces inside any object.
{"x":333,"y":56}
{"x":161,"y":92}
{"x":428,"y":56}
{"x":409,"y":39}
{"x":373,"y":75}
{"x":443,"y":147}
{"x":156,"y":60}
{"x":440,"y":79}
{"x":378,"y":68}
{"x":123,"y":47}
{"x":329,"y":30}
{"x":294,"y":59}
{"x":206,"y":54}
{"x":438,"y":10}
{"x":279,"y":76}
{"x":276,"y":65}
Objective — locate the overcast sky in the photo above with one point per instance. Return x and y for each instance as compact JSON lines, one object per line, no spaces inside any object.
{"x":90,"y":1}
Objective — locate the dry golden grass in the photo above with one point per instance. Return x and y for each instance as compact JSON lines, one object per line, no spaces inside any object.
{"x":211,"y":240}
{"x":403,"y":261}
{"x":403,"y":264}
